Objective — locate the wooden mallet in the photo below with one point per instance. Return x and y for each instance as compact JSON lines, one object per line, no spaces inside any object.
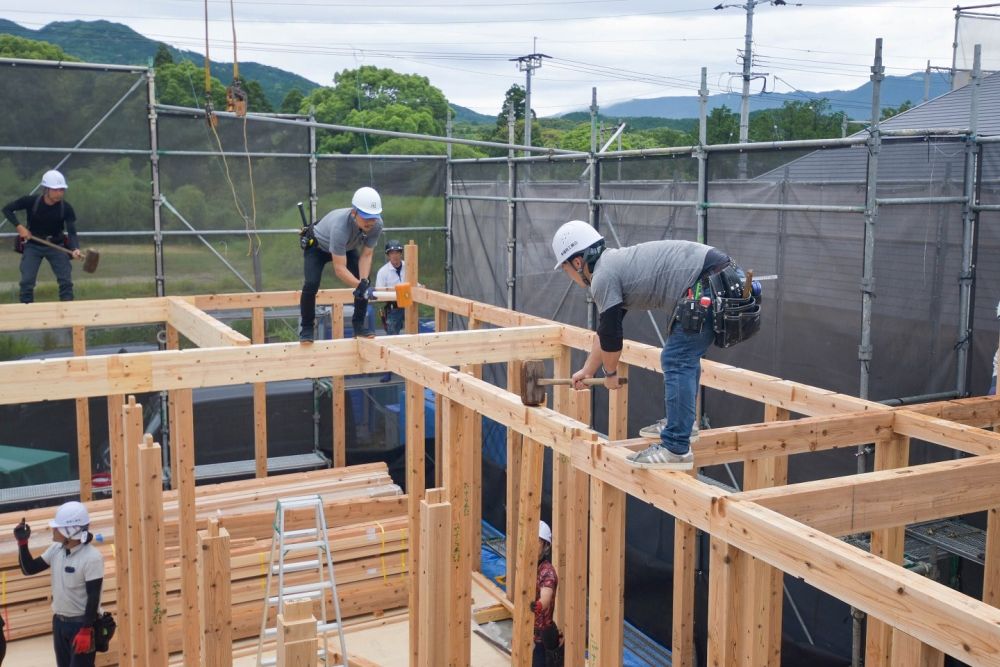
{"x":402,"y":294}
{"x":533,"y":383}
{"x":90,"y":257}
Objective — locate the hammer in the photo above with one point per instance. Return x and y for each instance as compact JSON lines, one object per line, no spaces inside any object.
{"x":402,"y":294}
{"x":533,"y":384}
{"x":90,"y":256}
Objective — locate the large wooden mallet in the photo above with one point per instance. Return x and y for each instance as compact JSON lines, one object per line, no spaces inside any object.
{"x":90,"y":256}
{"x":533,"y":384}
{"x":402,"y":294}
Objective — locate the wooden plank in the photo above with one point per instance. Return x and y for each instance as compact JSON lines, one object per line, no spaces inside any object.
{"x":339,"y":397}
{"x":474,"y":441}
{"x":442,"y":301}
{"x":968,"y":439}
{"x":83,"y":459}
{"x":436,"y":606}
{"x":411,"y":316}
{"x":296,"y":646}
{"x":173,"y":343}
{"x":259,"y":337}
{"x":415,"y":488}
{"x":154,"y":576}
{"x":991,"y":575}
{"x":514,"y":443}
{"x":724,"y":589}
{"x":84,"y":313}
{"x":216,"y":597}
{"x":457,"y":465}
{"x":103,"y":375}
{"x":199,"y":327}
{"x":908,"y":651}
{"x":607,"y":573}
{"x":182,"y":435}
{"x":440,"y":326}
{"x":682,"y":651}
{"x":481,"y":346}
{"x":526,"y":554}
{"x":124,"y":423}
{"x":130,"y":429}
{"x":981,"y":411}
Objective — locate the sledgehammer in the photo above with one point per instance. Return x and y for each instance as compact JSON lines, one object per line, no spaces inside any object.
{"x":402,"y":294}
{"x":533,"y":384}
{"x":90,"y":256}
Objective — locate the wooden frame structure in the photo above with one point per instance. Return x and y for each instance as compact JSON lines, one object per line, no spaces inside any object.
{"x":757,"y":535}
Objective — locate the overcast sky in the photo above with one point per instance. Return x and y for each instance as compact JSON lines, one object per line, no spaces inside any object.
{"x":626,"y":48}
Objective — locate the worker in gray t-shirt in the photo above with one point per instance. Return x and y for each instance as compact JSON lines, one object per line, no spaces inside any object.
{"x":650,"y":276}
{"x":346,"y":237}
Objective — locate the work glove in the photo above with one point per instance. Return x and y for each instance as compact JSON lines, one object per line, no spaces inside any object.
{"x":83,"y":642}
{"x":22,"y":532}
{"x":362,"y":290}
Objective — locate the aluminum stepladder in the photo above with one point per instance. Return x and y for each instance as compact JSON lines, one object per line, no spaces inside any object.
{"x":284,"y":543}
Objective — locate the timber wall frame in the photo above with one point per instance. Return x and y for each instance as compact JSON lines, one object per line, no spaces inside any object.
{"x":756,"y":535}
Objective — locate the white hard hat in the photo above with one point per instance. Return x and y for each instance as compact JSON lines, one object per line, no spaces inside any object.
{"x":69,"y":515}
{"x":545,"y":532}
{"x":367,"y":202}
{"x":54,"y":180}
{"x":573,"y":237}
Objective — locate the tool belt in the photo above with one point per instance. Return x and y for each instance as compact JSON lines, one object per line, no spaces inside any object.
{"x":58,"y":239}
{"x":307,"y":237}
{"x":737,"y":305}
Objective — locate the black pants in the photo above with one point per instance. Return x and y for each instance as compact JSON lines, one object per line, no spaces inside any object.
{"x":313,"y":260}
{"x":31,"y":260}
{"x":63,"y":633}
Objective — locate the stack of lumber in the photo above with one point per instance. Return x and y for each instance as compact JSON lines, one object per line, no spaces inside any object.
{"x":367,"y":524}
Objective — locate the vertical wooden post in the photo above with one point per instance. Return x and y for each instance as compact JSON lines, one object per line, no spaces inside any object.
{"x":440,"y":326}
{"x":182,"y":435}
{"x":173,"y":343}
{"x":526,"y":556}
{"x":991,"y":569}
{"x":458,"y":483}
{"x":130,"y":429}
{"x":411,"y":316}
{"x":436,"y":606}
{"x":725,"y":588}
{"x":891,"y":452}
{"x":685,"y":554}
{"x":83,"y":459}
{"x":908,"y":651}
{"x":474,"y":441}
{"x":339,"y":414}
{"x":154,"y":571}
{"x":415,"y":486}
{"x":215,"y":610}
{"x":607,"y":548}
{"x":129,"y":426}
{"x":760,"y":629}
{"x":259,"y":336}
{"x":296,"y":635}
{"x":514,"y":444}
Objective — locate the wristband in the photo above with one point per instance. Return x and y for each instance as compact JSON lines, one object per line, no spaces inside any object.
{"x":608,"y":374}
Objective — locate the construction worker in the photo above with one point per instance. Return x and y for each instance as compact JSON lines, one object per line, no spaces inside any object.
{"x":77,"y":577}
{"x":49,"y":217}
{"x":687,"y":280}
{"x":346,"y":236}
{"x":548,"y":643}
{"x":392,"y":273}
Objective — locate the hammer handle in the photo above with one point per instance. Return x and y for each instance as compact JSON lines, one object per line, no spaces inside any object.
{"x":568,"y":381}
{"x":39,"y":239}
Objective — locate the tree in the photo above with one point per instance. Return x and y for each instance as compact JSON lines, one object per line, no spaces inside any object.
{"x":293,"y":101}
{"x":723,"y":126}
{"x":811,"y":119}
{"x":256,"y":97}
{"x":183,"y":84}
{"x":373,"y":97}
{"x":889,"y":112}
{"x":30,"y":49}
{"x":162,"y":56}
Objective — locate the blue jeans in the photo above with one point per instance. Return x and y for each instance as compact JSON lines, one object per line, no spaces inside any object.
{"x":31,"y":260}
{"x":313,"y":260}
{"x":681,"y":364}
{"x":394,"y":318}
{"x":63,"y":633}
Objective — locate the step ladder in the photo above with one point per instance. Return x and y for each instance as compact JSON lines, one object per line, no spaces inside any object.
{"x":285,"y":544}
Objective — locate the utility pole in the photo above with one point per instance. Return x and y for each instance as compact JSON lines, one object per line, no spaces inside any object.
{"x":528,"y":64}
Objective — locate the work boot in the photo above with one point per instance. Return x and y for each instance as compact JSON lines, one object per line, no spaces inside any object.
{"x":652,"y":432}
{"x":306,"y":334}
{"x":658,"y":457}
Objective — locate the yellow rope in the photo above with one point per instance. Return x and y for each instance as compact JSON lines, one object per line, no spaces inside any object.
{"x":381,"y":556}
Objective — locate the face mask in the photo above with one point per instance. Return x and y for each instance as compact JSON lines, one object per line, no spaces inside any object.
{"x":73,"y":533}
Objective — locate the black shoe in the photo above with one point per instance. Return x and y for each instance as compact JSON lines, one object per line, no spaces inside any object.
{"x":364,"y":332}
{"x":306,"y":334}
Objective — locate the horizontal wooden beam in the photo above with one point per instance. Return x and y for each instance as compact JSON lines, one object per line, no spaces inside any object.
{"x":981,"y":411}
{"x":285,"y":299}
{"x":889,"y":498}
{"x":482,"y":346}
{"x":199,"y":327}
{"x":66,"y":314}
{"x":918,"y":606}
{"x":948,"y":434}
{"x":104,"y":375}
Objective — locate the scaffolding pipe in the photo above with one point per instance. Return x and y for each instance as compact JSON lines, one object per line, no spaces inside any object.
{"x":159,"y":271}
{"x":908,"y":201}
{"x":208,"y":245}
{"x":701,"y":210}
{"x":593,"y":211}
{"x":921,"y":398}
{"x":56,"y":149}
{"x":965,"y":279}
{"x":313,"y":177}
{"x":512,"y":205}
{"x":825,"y":208}
{"x":62,"y":64}
{"x":365,"y":130}
{"x":449,"y":212}
{"x":215,"y":232}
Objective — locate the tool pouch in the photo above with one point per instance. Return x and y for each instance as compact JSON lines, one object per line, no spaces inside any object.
{"x":691,"y":315}
{"x":307,"y":238}
{"x":736,"y":317}
{"x":18,"y":245}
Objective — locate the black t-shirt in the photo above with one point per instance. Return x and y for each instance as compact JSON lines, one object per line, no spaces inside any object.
{"x":44,"y":220}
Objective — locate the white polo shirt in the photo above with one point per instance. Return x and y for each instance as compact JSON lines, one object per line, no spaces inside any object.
{"x":387,"y":276}
{"x":70,"y":574}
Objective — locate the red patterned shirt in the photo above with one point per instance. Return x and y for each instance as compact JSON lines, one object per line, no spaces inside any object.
{"x":547,"y":578}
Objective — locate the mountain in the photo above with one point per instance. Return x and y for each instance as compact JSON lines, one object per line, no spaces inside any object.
{"x":466,"y":115}
{"x":117,"y":44}
{"x":856,"y":103}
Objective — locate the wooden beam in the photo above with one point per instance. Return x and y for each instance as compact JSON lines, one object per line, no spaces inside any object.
{"x":457,"y":464}
{"x":474,"y":441}
{"x":682,"y":651}
{"x":725,"y":586}
{"x":215,"y":609}
{"x":199,"y":327}
{"x":259,"y":336}
{"x":481,"y":346}
{"x":981,"y":411}
{"x":84,"y":463}
{"x":968,"y":439}
{"x":411,"y":316}
{"x":607,"y":574}
{"x":182,"y":439}
{"x":440,"y":326}
{"x":297,"y":642}
{"x":415,"y":491}
{"x":526,"y":555}
{"x":130,"y":431}
{"x":436,"y":605}
{"x":991,"y":575}
{"x":908,"y":651}
{"x":887,"y":498}
{"x":88,"y":313}
{"x":339,"y":414}
{"x":154,"y":575}
{"x":129,"y":424}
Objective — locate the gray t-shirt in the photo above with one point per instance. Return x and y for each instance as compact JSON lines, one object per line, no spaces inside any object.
{"x":70,"y":575}
{"x":648,"y":276}
{"x":336,"y":233}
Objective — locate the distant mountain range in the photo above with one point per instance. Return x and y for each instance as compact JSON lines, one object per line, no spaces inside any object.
{"x":856,"y":103}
